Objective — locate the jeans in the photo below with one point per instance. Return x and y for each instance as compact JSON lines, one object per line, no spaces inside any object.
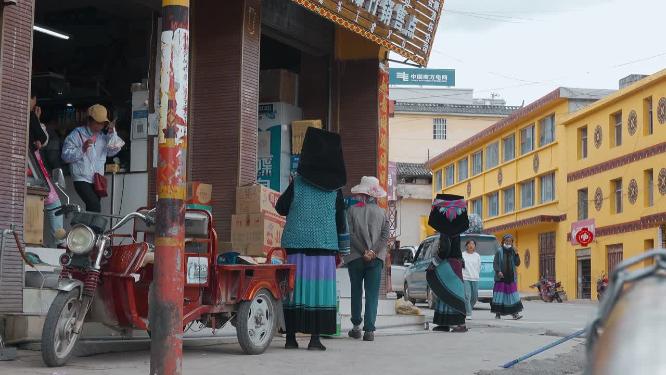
{"x":86,"y":191}
{"x":370,"y":275}
{"x":53,"y":223}
{"x":471,"y":295}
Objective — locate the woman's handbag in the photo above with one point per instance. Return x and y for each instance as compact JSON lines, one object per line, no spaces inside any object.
{"x":99,"y":185}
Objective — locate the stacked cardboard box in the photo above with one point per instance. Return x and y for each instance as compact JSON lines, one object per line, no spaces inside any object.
{"x":274,"y":148}
{"x":256,"y":227}
{"x":278,"y":85}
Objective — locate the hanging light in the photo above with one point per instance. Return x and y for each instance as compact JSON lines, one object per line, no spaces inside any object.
{"x":50,"y":32}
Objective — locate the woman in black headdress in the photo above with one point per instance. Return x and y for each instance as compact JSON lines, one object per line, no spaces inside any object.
{"x":449,"y":217}
{"x":314,"y":234}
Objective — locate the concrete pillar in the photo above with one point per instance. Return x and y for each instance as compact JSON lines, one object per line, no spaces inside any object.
{"x":224,"y":100}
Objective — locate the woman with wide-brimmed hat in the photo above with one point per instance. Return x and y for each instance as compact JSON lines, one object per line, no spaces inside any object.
{"x":506,"y":299}
{"x":315,"y":233}
{"x":449,"y":217}
{"x":369,"y":232}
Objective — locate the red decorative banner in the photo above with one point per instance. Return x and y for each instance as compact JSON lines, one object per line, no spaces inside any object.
{"x":383,"y":138}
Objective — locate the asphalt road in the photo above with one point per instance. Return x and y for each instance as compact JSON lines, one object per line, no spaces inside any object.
{"x":409,"y":350}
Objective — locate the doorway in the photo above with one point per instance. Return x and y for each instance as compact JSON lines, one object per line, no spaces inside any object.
{"x":547,"y":255}
{"x":584,"y":279}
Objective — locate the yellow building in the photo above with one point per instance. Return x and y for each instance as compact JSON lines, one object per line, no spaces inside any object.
{"x":616,"y":177}
{"x":513,"y":174}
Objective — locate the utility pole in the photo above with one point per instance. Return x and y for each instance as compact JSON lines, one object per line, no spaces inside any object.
{"x":166,"y":294}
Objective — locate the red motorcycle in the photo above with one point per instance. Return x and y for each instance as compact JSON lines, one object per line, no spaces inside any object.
{"x":107,"y":283}
{"x":548,"y":290}
{"x":602,"y":285}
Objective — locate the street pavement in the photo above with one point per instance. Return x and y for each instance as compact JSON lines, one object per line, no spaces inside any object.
{"x":408,"y":350}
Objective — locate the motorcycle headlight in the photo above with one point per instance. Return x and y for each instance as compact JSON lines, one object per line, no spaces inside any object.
{"x":80,"y":239}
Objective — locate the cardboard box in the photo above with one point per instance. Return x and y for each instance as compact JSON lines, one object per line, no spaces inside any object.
{"x":298,"y":129}
{"x":256,"y":234}
{"x":33,"y":220}
{"x":274,"y":144}
{"x":255,"y":199}
{"x":199,"y":193}
{"x":278,"y":85}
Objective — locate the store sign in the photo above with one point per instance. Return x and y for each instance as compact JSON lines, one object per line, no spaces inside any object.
{"x":582,"y":232}
{"x":383,"y":138}
{"x":422,"y":77}
{"x":392,"y":181}
{"x":406,"y":27}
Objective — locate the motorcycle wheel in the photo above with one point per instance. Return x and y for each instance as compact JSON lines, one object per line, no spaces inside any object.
{"x":58,"y":337}
{"x":257,"y":323}
{"x":558,"y":298}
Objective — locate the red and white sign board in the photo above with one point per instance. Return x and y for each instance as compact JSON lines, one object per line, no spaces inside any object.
{"x":582,"y":232}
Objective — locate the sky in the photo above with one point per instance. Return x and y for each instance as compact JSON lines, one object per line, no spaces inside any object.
{"x":523,"y":49}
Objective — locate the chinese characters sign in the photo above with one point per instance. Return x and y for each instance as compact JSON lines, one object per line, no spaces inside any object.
{"x":406,"y":27}
{"x":422,"y":77}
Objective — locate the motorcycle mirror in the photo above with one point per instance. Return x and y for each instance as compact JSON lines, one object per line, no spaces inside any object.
{"x":58,"y":177}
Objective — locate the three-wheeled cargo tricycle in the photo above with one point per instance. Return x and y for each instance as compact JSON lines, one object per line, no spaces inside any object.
{"x":108,"y":283}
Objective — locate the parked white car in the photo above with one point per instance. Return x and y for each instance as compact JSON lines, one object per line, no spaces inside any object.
{"x":400,"y":261}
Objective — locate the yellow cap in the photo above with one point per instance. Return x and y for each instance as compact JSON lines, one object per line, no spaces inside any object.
{"x":98,"y":113}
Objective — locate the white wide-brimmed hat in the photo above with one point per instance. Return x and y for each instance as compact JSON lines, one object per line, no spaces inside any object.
{"x":369,"y":186}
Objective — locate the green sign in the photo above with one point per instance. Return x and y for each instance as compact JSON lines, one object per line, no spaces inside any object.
{"x":422,"y":77}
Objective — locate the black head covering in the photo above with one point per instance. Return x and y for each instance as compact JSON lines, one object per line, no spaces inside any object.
{"x":322,"y":163}
{"x":456,"y":221}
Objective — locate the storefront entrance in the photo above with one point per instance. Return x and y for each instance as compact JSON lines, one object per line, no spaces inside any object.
{"x":584,"y":279}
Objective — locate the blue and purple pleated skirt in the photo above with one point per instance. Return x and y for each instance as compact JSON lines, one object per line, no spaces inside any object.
{"x":506,"y":300}
{"x":311,"y":307}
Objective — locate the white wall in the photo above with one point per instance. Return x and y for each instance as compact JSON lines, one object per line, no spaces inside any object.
{"x":409,"y":212}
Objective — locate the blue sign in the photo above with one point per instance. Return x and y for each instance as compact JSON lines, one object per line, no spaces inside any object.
{"x":422,"y":77}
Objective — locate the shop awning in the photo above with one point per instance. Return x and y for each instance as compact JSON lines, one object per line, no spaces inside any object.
{"x":406,"y":27}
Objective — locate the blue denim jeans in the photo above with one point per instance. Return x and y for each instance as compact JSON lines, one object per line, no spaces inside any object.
{"x":365,"y":276}
{"x":53,"y":223}
{"x":471,"y":295}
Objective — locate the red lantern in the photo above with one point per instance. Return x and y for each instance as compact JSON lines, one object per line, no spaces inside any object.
{"x":584,"y":236}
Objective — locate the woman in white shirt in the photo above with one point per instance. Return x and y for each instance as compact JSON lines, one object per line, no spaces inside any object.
{"x":471,"y":270}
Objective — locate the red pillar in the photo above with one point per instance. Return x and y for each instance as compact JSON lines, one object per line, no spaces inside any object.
{"x":166,"y":297}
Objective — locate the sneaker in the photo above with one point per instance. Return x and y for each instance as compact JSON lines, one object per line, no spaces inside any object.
{"x":369,"y":336}
{"x":355,"y":332}
{"x":517,"y":316}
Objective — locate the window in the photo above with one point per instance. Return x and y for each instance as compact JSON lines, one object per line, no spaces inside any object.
{"x":477,"y":207}
{"x":450,"y":175}
{"x":547,"y":252}
{"x":439,"y":128}
{"x":649,"y":187}
{"x":582,"y":143}
{"x":614,"y":256}
{"x":477,"y":163}
{"x":547,"y":130}
{"x":493,"y":204}
{"x":492,"y":155}
{"x":616,"y":188}
{"x":616,"y":128}
{"x":527,"y":139}
{"x":509,"y":147}
{"x":527,"y":194}
{"x":463,"y":169}
{"x":438,"y":181}
{"x":648,"y":120}
{"x":548,"y":188}
{"x":582,"y":204}
{"x":509,"y":199}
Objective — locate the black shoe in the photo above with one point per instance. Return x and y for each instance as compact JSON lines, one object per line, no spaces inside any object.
{"x":498,"y":316}
{"x":441,"y":329}
{"x":369,"y":336}
{"x":291,"y":342}
{"x":355,"y":333}
{"x":517,"y":316}
{"x":460,"y":329}
{"x":315,"y":344}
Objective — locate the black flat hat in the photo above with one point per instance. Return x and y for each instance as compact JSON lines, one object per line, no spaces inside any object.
{"x":449,"y":214}
{"x":322,"y":163}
